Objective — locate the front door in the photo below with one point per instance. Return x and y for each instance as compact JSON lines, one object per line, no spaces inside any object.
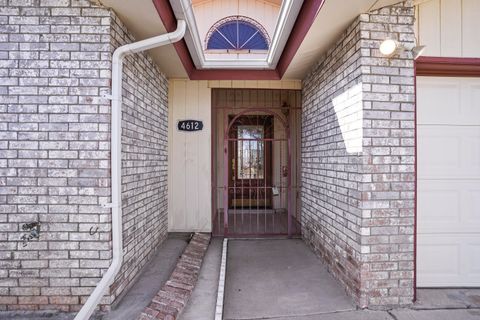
{"x":250,"y":162}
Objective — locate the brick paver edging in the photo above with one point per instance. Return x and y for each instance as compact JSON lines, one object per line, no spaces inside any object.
{"x":172,"y":298}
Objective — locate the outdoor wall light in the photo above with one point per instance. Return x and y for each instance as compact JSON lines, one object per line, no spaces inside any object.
{"x":417,"y":51}
{"x":390,"y":47}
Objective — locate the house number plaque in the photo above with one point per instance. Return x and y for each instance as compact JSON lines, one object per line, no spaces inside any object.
{"x":190,"y":125}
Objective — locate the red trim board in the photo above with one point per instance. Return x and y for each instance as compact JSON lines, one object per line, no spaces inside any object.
{"x":447,"y":67}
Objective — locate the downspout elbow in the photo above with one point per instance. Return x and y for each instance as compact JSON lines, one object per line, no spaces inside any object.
{"x":179,"y":33}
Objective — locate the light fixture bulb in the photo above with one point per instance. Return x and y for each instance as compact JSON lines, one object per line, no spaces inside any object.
{"x":388,"y":47}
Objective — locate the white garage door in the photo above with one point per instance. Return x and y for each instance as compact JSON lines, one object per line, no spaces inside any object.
{"x":448,"y":214}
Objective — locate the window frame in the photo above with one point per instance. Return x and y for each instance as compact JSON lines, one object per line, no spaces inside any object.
{"x":242,"y":19}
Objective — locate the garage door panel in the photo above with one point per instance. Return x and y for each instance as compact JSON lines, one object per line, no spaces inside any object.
{"x":446,"y":152}
{"x":449,"y":201}
{"x":448,"y":101}
{"x":434,"y":252}
{"x":472,"y":201}
{"x":470,"y":93}
{"x":448,"y":206}
{"x":473,"y":252}
{"x":438,"y":152}
{"x":444,"y":93}
{"x":471,"y":97}
{"x":448,"y":261}
{"x":472,"y":213}
{"x":439,"y":203}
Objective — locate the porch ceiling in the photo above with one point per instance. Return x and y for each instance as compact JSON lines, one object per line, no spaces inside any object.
{"x":333,"y":18}
{"x":141,"y":18}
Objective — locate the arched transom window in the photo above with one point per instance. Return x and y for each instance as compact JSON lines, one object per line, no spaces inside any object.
{"x":237,"y":33}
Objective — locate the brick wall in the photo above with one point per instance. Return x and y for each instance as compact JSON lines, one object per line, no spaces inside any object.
{"x":55,"y":60}
{"x":388,"y":159}
{"x":144,"y":165}
{"x":331,"y":210}
{"x":358,"y":159}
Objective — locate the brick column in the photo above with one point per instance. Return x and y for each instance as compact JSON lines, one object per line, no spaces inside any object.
{"x":388,"y":159}
{"x":358,"y":159}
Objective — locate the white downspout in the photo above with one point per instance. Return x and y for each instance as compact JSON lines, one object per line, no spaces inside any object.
{"x":116,"y":160}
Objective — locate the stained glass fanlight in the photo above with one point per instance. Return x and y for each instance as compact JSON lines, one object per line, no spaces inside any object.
{"x":237,"y":33}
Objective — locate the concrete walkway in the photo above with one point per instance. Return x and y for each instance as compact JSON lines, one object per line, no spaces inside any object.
{"x":201,"y":305}
{"x":270,"y":279}
{"x":460,"y":298}
{"x":278,"y":278}
{"x":152,"y":278}
{"x":399,"y":314}
{"x":284,"y":280}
